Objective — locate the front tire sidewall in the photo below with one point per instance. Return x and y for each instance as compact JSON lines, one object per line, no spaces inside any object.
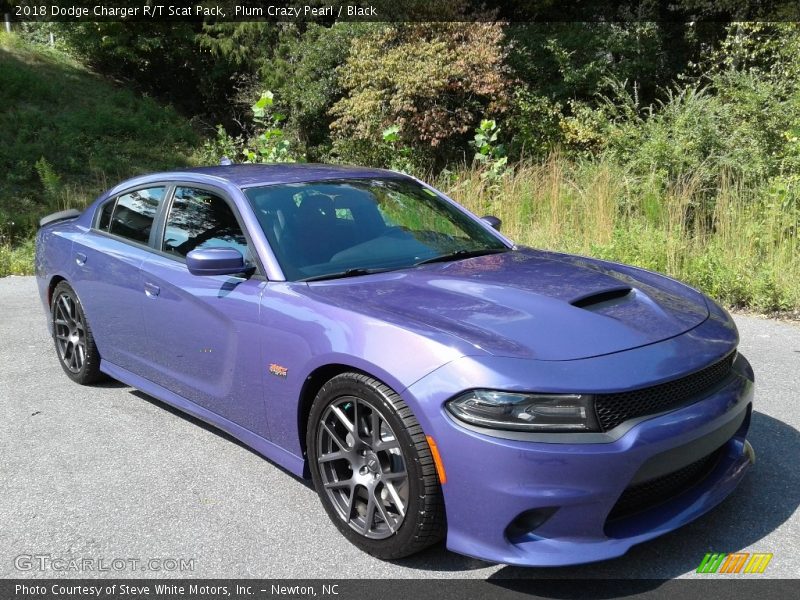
{"x":396,"y":545}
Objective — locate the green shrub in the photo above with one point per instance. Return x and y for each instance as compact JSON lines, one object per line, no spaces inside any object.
{"x":222,"y":145}
{"x":534,"y":123}
{"x":490,"y":155}
{"x":51,"y":181}
{"x":432,"y":80}
{"x":304,"y":76}
{"x":575,"y":61}
{"x":268,"y":144}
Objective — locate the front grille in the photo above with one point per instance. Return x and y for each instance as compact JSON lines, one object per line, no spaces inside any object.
{"x":647,"y":494}
{"x":613,"y":409}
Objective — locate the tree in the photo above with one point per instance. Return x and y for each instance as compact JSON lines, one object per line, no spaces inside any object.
{"x":160,"y":58}
{"x":434,"y":81}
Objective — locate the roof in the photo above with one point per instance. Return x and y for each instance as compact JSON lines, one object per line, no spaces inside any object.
{"x":244,"y":176}
{"x":252,"y":175}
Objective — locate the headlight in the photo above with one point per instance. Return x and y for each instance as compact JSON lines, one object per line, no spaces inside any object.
{"x":525,"y":412}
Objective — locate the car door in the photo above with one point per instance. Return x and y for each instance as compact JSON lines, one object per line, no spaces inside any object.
{"x":204,"y":330}
{"x":107,"y":277}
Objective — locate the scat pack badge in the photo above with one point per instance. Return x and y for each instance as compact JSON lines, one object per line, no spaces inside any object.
{"x":278,"y":370}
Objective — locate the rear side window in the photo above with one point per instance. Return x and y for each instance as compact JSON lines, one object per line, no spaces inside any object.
{"x":105,"y":214}
{"x":134,"y":213}
{"x":201,"y":219}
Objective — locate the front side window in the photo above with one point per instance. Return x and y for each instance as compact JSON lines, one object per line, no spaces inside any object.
{"x":202,"y":219}
{"x":327,"y":229}
{"x":134,"y":213}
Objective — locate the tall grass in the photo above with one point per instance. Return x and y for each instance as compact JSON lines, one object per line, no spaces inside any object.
{"x":740,"y":246}
{"x":17,"y":259}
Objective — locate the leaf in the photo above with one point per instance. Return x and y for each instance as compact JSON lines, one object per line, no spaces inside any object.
{"x":391,"y":134}
{"x":266,"y":100}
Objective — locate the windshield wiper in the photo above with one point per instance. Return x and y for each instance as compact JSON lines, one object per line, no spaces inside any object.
{"x":459,"y":254}
{"x":346,"y":273}
{"x":356,"y":271}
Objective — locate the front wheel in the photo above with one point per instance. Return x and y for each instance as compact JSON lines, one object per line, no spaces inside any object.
{"x":73,"y":337}
{"x":372,"y":468}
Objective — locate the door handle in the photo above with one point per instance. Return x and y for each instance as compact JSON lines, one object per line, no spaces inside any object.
{"x":80,"y":258}
{"x":151,"y":290}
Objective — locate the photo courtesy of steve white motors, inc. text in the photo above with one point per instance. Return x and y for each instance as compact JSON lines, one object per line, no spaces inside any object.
{"x":158,"y":11}
{"x":64,"y":590}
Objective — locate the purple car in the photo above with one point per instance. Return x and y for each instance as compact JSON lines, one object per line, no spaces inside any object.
{"x":357,"y":327}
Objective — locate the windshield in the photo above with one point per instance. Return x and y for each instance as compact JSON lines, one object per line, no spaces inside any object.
{"x":356,"y":226}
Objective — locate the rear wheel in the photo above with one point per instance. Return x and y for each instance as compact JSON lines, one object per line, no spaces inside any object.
{"x":75,"y":345}
{"x":372,"y":468}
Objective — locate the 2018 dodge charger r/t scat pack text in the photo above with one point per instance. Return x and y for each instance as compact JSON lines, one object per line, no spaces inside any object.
{"x":435,"y":381}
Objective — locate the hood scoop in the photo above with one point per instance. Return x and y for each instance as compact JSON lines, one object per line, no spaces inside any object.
{"x":605,"y":298}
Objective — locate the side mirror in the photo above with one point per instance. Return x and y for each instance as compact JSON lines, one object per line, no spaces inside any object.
{"x":493,"y":222}
{"x":215,"y":261}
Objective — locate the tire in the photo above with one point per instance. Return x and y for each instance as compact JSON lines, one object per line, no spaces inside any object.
{"x":75,"y":347}
{"x":356,"y":476}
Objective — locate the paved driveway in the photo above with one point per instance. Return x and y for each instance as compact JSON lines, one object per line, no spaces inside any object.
{"x":107,"y":472}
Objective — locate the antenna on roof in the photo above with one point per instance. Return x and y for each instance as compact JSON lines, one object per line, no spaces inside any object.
{"x":225,"y":161}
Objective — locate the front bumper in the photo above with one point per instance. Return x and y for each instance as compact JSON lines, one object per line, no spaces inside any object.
{"x":491,"y":481}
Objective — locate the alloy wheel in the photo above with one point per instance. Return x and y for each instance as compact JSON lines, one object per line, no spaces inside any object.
{"x":70,"y":332}
{"x":362,"y":467}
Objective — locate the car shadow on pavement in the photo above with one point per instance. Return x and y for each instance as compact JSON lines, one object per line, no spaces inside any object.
{"x":215,"y":430}
{"x":767,"y":497}
{"x":109,"y":384}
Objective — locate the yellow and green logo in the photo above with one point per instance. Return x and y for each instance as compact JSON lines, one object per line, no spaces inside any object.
{"x":736,"y":562}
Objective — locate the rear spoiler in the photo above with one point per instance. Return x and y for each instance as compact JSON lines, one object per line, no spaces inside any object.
{"x":61,"y":215}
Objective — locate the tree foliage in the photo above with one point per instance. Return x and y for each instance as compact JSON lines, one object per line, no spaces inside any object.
{"x":164,"y":59}
{"x":665,"y":98}
{"x":303,"y":73}
{"x":687,"y":133}
{"x":433,"y":81}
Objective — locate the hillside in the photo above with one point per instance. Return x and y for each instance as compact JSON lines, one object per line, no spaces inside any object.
{"x":68,"y":133}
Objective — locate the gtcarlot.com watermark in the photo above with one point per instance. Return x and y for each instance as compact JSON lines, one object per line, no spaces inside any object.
{"x":58,"y":564}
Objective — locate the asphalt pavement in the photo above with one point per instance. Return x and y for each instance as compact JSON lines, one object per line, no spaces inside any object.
{"x":106,"y":472}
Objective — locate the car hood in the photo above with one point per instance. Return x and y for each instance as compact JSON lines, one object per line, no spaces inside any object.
{"x":527,"y":303}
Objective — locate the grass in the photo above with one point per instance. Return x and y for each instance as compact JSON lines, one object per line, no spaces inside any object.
{"x":741,"y":246}
{"x":68,"y":133}
{"x":16,"y":260}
